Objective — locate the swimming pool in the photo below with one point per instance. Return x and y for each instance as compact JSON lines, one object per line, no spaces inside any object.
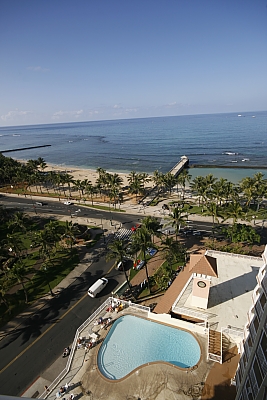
{"x":133,"y":341}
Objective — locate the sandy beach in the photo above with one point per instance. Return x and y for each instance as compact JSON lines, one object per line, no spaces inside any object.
{"x":80,"y":173}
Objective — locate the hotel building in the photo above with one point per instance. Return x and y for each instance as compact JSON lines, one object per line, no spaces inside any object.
{"x":251,"y":375}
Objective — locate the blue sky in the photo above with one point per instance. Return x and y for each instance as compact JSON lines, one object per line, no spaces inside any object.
{"x":85,"y":60}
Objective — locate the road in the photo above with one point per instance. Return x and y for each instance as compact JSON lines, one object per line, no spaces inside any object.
{"x":56,"y":207}
{"x":40,"y":340}
{"x":74,"y":210}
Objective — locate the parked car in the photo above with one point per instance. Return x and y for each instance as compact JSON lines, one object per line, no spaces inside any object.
{"x":120,"y":266}
{"x":196,"y":233}
{"x":139,"y":265}
{"x":151,"y":251}
{"x":133,"y":228}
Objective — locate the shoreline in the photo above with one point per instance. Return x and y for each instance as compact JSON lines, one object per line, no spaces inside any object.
{"x":232,"y":173}
{"x":227,"y":166}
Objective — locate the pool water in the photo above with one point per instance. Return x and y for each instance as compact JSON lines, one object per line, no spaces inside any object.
{"x":132,"y":342}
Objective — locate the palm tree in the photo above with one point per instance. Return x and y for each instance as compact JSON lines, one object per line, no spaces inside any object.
{"x":116,"y":250}
{"x":52,"y":231}
{"x":173,"y":251}
{"x":3,"y":291}
{"x":45,"y":266}
{"x":68,"y":180}
{"x":260,"y":186}
{"x":247,"y":187}
{"x":14,"y":245}
{"x":142,"y":238}
{"x":70,"y":231}
{"x":42,"y":164}
{"x":158,"y":179}
{"x":219,"y":189}
{"x":136,"y":183}
{"x":90,"y":190}
{"x":234,"y":211}
{"x":176,"y":219}
{"x":213,"y":209}
{"x":169,"y":181}
{"x":145,"y":178}
{"x":101,"y":181}
{"x":182,"y":178}
{"x":19,"y":272}
{"x":114,"y":183}
{"x":199,"y":186}
{"x":152,"y":225}
{"x":17,"y":222}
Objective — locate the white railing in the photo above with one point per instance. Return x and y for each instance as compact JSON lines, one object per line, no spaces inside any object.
{"x":210,"y":252}
{"x":182,"y":292}
{"x":193,"y":313}
{"x":233,"y":331}
{"x":93,"y":316}
{"x":214,"y":357}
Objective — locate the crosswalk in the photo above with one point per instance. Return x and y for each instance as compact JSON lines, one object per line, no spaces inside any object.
{"x":123,"y":234}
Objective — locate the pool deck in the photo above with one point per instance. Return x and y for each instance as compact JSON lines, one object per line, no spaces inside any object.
{"x":157,"y":381}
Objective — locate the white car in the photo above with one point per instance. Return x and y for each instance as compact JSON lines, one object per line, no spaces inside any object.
{"x":67,"y":203}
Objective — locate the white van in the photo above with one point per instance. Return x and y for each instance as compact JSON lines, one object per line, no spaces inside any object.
{"x":97,"y":287}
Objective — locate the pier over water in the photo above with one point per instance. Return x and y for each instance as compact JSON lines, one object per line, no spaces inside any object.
{"x":175,"y":171}
{"x":180,"y":166}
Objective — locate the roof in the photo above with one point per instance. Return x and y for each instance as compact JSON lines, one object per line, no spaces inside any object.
{"x":203,"y":264}
{"x":230,"y":293}
{"x":165,"y":303}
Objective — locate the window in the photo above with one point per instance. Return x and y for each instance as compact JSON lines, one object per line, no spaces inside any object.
{"x":264,"y":343}
{"x":263,"y":300}
{"x":257,"y":372}
{"x":201,"y":284}
{"x":256,"y":324}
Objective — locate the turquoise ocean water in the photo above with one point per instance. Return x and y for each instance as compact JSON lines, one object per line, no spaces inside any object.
{"x":233,"y":140}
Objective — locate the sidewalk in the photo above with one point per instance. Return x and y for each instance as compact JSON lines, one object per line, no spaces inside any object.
{"x":86,"y":260}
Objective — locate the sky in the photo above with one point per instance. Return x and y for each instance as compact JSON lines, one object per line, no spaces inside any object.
{"x":88,"y":60}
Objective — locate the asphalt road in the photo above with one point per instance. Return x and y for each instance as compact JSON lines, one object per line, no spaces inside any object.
{"x":39,"y":341}
{"x":60,"y":209}
{"x":56,"y":207}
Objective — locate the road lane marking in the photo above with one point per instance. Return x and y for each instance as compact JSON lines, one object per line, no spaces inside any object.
{"x":39,"y":337}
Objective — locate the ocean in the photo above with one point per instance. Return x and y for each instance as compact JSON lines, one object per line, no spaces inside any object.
{"x":149,"y":144}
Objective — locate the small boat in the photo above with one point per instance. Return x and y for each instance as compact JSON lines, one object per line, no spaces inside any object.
{"x":230,"y":153}
{"x":245,"y":159}
{"x":239,"y":115}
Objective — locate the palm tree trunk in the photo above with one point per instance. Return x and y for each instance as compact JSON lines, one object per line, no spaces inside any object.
{"x":25,"y":292}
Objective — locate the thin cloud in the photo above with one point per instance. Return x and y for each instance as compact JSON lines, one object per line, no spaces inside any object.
{"x":13,"y":114}
{"x":74,"y":114}
{"x":38,"y":69}
{"x":128,"y":110}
